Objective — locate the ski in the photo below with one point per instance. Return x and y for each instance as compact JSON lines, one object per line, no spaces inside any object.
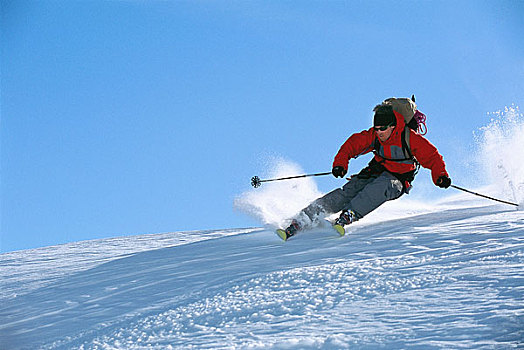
{"x":282,"y":234}
{"x":340,"y":229}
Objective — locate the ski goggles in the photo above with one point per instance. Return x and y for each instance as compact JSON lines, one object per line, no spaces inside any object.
{"x":382,"y":128}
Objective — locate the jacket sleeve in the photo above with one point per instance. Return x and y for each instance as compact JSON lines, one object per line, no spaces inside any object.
{"x":354,"y":146}
{"x":428,"y":156}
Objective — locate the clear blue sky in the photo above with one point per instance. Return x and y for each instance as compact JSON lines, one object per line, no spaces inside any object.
{"x":131,"y":117}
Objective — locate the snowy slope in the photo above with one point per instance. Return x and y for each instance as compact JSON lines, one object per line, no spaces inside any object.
{"x":452,"y":279}
{"x":412,"y":274}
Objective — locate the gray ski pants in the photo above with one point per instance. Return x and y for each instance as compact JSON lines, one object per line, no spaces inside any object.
{"x":361,"y":195}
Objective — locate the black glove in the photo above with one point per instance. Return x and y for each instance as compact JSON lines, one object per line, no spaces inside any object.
{"x":339,"y":171}
{"x":443,"y":181}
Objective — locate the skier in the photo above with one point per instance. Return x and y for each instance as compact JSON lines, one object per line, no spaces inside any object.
{"x":398,"y":152}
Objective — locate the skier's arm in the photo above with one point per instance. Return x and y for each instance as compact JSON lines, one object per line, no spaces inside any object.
{"x":354,"y":146}
{"x":428,"y":156}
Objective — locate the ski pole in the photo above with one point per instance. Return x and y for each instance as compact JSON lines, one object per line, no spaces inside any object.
{"x":482,"y":195}
{"x":256,"y":182}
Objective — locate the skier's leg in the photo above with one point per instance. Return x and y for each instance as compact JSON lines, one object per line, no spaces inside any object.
{"x":382,"y":189}
{"x":332,"y":202}
{"x":359,"y":197}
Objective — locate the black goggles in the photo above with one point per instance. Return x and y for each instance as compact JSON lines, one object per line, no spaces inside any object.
{"x":382,"y":128}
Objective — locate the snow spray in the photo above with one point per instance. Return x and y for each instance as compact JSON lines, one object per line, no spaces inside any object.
{"x":275,"y":202}
{"x":501,"y":153}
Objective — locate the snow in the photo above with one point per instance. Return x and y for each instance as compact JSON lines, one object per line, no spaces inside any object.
{"x":415,"y":274}
{"x":446,"y":279}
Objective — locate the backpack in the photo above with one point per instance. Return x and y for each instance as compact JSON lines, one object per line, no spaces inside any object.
{"x":414,"y":119}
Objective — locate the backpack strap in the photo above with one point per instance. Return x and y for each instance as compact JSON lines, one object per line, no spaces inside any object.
{"x":406,"y":149}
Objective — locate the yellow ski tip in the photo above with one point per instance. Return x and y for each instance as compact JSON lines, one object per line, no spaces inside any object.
{"x":282,"y":234}
{"x":340,"y":230}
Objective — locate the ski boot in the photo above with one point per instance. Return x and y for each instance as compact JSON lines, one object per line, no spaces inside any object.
{"x":290,"y":231}
{"x":345,"y":218}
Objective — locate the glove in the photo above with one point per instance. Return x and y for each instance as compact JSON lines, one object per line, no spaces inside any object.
{"x":443,"y":181}
{"x":338,"y":171}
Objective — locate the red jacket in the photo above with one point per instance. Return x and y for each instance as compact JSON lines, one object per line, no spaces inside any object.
{"x":364,"y":142}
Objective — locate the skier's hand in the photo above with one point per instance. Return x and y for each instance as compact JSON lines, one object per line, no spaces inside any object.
{"x":443,"y":182}
{"x":339,"y":171}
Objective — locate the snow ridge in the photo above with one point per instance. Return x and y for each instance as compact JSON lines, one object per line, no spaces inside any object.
{"x":451,"y":279}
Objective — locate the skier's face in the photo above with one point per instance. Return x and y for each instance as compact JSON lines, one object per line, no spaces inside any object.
{"x":383,"y":135}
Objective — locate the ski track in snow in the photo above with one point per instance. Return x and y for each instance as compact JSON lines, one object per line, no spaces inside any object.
{"x":446,"y":280}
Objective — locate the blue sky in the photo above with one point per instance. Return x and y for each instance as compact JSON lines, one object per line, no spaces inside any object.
{"x":131,"y":117}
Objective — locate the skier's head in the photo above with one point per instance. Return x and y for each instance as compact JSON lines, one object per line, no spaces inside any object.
{"x":384,"y":115}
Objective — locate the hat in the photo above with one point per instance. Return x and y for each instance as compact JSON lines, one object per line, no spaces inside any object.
{"x":384,"y":116}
